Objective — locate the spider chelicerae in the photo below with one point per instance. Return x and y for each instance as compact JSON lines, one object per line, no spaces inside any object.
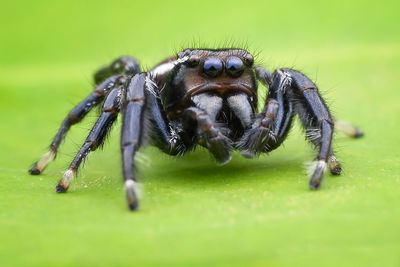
{"x":200,"y":96}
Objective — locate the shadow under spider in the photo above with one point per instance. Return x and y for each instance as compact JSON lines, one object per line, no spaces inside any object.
{"x":198,"y":167}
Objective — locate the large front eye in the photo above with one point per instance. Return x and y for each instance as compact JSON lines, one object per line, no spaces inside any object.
{"x":234,"y":66}
{"x":212,"y":66}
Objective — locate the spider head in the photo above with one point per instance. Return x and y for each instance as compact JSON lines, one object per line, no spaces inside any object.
{"x":217,"y":70}
{"x":222,"y":72}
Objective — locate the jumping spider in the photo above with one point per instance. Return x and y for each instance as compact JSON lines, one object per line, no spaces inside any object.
{"x":200,"y":96}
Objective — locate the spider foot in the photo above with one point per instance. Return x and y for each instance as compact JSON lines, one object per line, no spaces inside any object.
{"x":317,"y":175}
{"x":41,"y":164}
{"x":131,"y":196}
{"x":349,"y":129}
{"x":34,"y":170}
{"x":65,"y":181}
{"x":220,"y":146}
{"x":334,"y":166}
{"x":255,"y":141}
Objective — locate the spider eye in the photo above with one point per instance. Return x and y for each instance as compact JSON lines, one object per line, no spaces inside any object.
{"x":193,"y":61}
{"x":212,"y":66}
{"x":234,"y":66}
{"x":249,"y":60}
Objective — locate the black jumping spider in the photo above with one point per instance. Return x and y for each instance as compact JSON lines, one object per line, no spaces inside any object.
{"x":200,"y":96}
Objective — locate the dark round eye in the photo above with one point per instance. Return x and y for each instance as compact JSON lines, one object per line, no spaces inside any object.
{"x":193,"y":61}
{"x":234,"y":66}
{"x":249,"y":60}
{"x":212,"y":66}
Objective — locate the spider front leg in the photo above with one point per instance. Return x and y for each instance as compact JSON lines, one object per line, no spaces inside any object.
{"x":198,"y":124}
{"x":270,"y":127}
{"x":316,"y":118}
{"x":110,"y":110}
{"x":132,"y":134}
{"x":142,"y":107}
{"x":290,"y":91}
{"x":164,"y":134}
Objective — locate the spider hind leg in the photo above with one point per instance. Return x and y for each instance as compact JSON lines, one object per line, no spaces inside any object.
{"x":106,"y":79}
{"x":96,"y":136}
{"x":74,"y":117}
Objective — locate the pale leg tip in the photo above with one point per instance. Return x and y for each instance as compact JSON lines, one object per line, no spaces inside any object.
{"x":65,"y":181}
{"x":334,"y":166}
{"x":41,"y":164}
{"x":318,"y":175}
{"x":131,"y":196}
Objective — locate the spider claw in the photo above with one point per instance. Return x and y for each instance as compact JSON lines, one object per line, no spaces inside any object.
{"x":41,"y":164}
{"x":358,"y":133}
{"x":318,"y":175}
{"x":255,"y":141}
{"x":220,"y":146}
{"x":334,"y":166}
{"x":349,"y":129}
{"x":336,"y":171}
{"x":60,"y":189}
{"x":65,"y":181}
{"x":314,"y":185}
{"x":34,"y":170}
{"x":131,"y":196}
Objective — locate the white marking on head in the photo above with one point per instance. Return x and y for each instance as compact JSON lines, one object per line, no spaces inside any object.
{"x":167,"y":67}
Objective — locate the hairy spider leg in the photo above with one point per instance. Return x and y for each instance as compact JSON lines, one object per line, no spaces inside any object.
{"x":316,"y":118}
{"x":110,"y":110}
{"x":75,"y":116}
{"x":348,"y":129}
{"x":163,"y":134}
{"x":198,"y":123}
{"x":132,"y":133}
{"x":291,"y":91}
{"x":271,"y":126}
{"x":284,"y":120}
{"x":106,"y":79}
{"x":124,"y":65}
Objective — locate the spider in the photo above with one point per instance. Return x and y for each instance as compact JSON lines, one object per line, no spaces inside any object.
{"x":200,"y":96}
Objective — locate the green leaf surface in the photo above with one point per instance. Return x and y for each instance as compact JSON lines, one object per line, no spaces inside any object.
{"x":256,"y":212}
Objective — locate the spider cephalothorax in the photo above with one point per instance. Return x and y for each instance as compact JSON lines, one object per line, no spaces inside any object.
{"x":200,"y":96}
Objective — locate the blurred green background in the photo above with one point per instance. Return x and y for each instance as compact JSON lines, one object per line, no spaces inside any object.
{"x":248,"y":212}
